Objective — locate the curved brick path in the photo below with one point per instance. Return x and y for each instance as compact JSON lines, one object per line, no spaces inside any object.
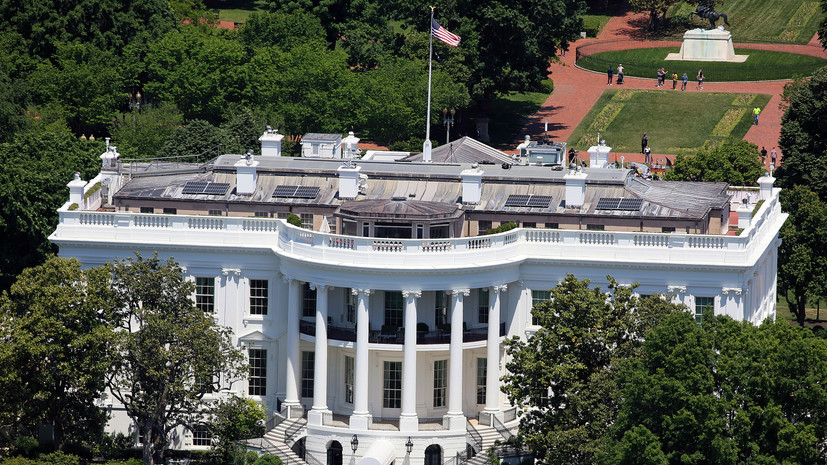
{"x":577,"y":90}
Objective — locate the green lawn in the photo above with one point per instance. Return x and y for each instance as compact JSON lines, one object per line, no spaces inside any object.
{"x":675,"y":121}
{"x":761,"y":65}
{"x":236,"y":10}
{"x":790,"y":21}
{"x":509,"y":115}
{"x":593,"y":24}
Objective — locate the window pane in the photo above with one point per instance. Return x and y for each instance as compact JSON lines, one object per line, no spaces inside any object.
{"x":201,"y":436}
{"x":440,"y":309}
{"x":350,"y":300}
{"x":392,"y":396}
{"x":538,"y":297}
{"x":205,"y":294}
{"x":483,"y":306}
{"x":308,"y":301}
{"x":258,"y":296}
{"x":393,"y":309}
{"x":701,"y":304}
{"x":440,"y":382}
{"x":258,"y":372}
{"x":308,"y":365}
{"x":349,"y":380}
{"x":482,"y":374}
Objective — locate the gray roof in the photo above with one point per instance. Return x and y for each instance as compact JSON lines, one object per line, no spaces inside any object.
{"x":321,"y":137}
{"x":464,"y":150}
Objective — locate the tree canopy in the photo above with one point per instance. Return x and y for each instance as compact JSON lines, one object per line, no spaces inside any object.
{"x":564,"y":372}
{"x":737,"y":163}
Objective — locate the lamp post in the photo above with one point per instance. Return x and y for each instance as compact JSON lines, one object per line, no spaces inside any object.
{"x":448,"y":121}
{"x":354,"y":443}
{"x":409,"y":445}
{"x":135,"y":101}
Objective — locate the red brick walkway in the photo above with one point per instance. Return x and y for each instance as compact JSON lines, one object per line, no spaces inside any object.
{"x":577,"y":90}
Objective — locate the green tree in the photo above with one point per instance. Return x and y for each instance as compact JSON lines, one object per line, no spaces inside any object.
{"x":822,"y":30}
{"x":233,"y":420}
{"x":737,"y":163}
{"x":656,"y":10}
{"x":37,"y":165}
{"x":283,"y":30}
{"x":724,"y":392}
{"x":142,"y":134}
{"x":168,"y":353}
{"x":564,"y":372}
{"x":196,"y":137}
{"x":802,"y":256}
{"x":803,"y":138}
{"x":54,"y":353}
{"x":331,"y":14}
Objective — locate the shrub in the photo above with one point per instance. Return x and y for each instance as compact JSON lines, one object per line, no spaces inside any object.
{"x":268,"y":460}
{"x":502,"y":228}
{"x":132,"y":461}
{"x":294,"y":220}
{"x":25,"y":446}
{"x":18,"y":461}
{"x":74,"y":206}
{"x":58,"y":458}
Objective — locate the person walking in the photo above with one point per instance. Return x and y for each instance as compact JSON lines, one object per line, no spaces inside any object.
{"x":647,"y":155}
{"x":773,"y":156}
{"x":674,"y":81}
{"x":610,"y":72}
{"x":620,"y":74}
{"x":700,"y":79}
{"x":685,"y":80}
{"x":644,"y":142}
{"x":756,"y":112}
{"x":763,"y":155}
{"x":660,"y":77}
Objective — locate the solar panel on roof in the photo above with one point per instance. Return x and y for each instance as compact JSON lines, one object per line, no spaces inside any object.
{"x":539,"y":201}
{"x":307,"y":192}
{"x":516,"y":200}
{"x":607,"y":203}
{"x":216,"y":188}
{"x":194,"y":187}
{"x":531,"y":201}
{"x":285,"y":191}
{"x":630,"y":204}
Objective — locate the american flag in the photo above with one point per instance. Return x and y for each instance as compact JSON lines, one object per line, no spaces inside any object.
{"x":443,"y":34}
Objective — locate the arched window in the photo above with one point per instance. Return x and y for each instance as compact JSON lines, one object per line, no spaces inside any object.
{"x":433,"y":455}
{"x":334,"y":453}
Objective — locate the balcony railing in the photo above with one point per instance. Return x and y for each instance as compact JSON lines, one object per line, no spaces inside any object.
{"x":348,"y":334}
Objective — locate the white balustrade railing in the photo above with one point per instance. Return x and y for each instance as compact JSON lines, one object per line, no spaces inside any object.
{"x":559,"y":244}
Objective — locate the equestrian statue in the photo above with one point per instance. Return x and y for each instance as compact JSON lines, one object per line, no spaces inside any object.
{"x":706,"y":9}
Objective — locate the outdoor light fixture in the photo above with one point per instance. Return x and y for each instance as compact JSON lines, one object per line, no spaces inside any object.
{"x":409,"y":445}
{"x":354,"y":443}
{"x":448,"y":121}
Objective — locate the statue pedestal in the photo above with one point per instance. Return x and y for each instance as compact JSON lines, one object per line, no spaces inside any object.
{"x":707,"y":45}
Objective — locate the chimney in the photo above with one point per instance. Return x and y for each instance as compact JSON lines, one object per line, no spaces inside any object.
{"x":599,"y":155}
{"x":271,"y":142}
{"x":575,"y":187}
{"x":351,"y":148}
{"x":246,"y":174}
{"x":426,"y":151}
{"x":76,"y":190}
{"x":744,"y":214}
{"x":472,"y":184}
{"x":109,"y":159}
{"x":765,"y":182}
{"x":348,"y":181}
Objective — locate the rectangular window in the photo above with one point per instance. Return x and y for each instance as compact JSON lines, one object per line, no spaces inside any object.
{"x":308,"y":366}
{"x":258,"y":372}
{"x":170,"y":211}
{"x":261,"y":214}
{"x":215,"y":212}
{"x":529,"y":224}
{"x":351,"y":302}
{"x":201,"y":436}
{"x":258,"y":296}
{"x":483,"y":307}
{"x":392,"y":392}
{"x":667,"y":229}
{"x":595,"y":227}
{"x":282,"y":215}
{"x":483,"y":226}
{"x":349,"y":380}
{"x":147,"y":210}
{"x":536,"y":298}
{"x":552,"y":226}
{"x":205,"y":294}
{"x":307,"y":220}
{"x":482,"y":374}
{"x":205,"y":384}
{"x":701,"y":304}
{"x":440,"y":382}
{"x":440,"y":309}
{"x":308,"y":301}
{"x":393,"y":309}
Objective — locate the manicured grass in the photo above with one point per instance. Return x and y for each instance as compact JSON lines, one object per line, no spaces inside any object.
{"x":784,"y":21}
{"x":761,"y":65}
{"x":593,"y":24}
{"x":236,"y":10}
{"x":509,"y":115}
{"x":675,"y":121}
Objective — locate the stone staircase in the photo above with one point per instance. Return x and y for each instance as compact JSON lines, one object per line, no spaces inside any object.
{"x":274,"y":441}
{"x":489,"y":436}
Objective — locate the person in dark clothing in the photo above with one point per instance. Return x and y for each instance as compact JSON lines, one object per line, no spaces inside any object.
{"x":644,"y":142}
{"x":610,"y":72}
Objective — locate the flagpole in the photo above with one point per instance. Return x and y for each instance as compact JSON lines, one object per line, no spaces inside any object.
{"x":426,"y":146}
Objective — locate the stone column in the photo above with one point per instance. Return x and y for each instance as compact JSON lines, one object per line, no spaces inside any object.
{"x":361,"y":418}
{"x":455,"y":419}
{"x":492,"y":381}
{"x":408,"y":420}
{"x":319,"y":413}
{"x":291,"y":405}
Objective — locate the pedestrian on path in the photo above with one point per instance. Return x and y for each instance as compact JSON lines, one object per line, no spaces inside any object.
{"x":773,"y":156}
{"x":620,"y":74}
{"x":610,"y":72}
{"x":700,"y":79}
{"x":674,"y":81}
{"x":648,"y":155}
{"x":644,"y":142}
{"x":660,"y":77}
{"x":763,"y":154}
{"x":685,"y":80}
{"x":756,"y":112}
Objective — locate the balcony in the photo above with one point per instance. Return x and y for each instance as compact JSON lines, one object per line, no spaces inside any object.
{"x":346,"y":334}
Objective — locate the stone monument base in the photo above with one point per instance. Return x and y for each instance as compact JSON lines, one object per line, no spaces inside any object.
{"x":707,"y":45}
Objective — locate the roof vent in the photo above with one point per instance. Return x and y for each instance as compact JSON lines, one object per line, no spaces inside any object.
{"x":399,"y":198}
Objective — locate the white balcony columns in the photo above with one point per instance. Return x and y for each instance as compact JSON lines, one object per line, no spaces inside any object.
{"x":408,"y":420}
{"x":319,"y":413}
{"x":291,"y":405}
{"x":361,"y":418}
{"x":455,"y":419}
{"x":492,"y":380}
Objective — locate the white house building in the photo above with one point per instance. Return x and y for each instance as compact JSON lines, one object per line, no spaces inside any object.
{"x":382,"y":317}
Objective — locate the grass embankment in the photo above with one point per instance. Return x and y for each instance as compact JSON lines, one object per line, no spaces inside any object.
{"x":675,"y":121}
{"x":761,"y":65}
{"x":778,"y":21}
{"x":236,"y":10}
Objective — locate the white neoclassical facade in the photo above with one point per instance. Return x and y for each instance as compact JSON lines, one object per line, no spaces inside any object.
{"x":391,"y":331}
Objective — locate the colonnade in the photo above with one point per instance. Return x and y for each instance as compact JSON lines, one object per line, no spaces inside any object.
{"x":361,"y":418}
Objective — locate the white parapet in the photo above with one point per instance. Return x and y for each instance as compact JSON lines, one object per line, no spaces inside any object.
{"x":707,"y":45}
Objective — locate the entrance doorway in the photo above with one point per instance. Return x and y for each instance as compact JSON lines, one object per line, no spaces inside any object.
{"x":433,"y":455}
{"x":334,"y":453}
